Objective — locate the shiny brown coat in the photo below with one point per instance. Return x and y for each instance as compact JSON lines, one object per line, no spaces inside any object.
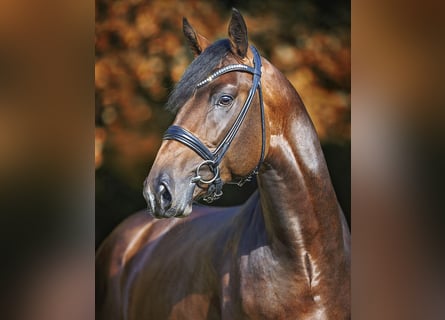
{"x":284,"y":254}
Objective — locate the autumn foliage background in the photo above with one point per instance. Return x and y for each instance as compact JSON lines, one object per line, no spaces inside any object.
{"x":50,"y":52}
{"x":141,"y":53}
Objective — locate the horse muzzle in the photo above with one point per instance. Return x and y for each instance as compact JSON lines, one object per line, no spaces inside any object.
{"x":163,"y":200}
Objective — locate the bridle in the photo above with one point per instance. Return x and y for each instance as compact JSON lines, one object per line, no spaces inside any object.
{"x":212,"y":159}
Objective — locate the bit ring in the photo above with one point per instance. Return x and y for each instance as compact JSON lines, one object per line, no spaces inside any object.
{"x":215,"y":171}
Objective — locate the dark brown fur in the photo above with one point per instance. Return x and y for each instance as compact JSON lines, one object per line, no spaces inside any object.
{"x":284,"y":254}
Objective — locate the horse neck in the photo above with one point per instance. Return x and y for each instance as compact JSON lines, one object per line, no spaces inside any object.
{"x":298,"y":201}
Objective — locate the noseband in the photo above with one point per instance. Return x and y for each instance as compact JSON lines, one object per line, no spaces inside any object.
{"x":212,"y":159}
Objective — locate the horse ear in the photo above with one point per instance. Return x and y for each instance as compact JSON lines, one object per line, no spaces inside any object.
{"x":238,"y":34}
{"x":197,"y":42}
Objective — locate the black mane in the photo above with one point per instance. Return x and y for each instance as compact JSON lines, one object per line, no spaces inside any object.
{"x":199,"y":69}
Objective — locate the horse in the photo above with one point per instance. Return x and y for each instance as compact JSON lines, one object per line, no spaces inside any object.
{"x":284,"y":254}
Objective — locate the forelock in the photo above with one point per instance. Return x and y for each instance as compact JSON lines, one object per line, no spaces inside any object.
{"x":199,"y":69}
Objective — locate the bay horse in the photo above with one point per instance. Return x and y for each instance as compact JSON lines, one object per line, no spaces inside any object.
{"x":284,"y":254}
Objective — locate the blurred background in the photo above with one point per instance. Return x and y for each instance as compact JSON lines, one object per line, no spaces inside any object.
{"x":141,"y":53}
{"x":48,"y":94}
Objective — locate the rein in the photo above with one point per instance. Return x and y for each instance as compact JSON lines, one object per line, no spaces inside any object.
{"x":212,"y":159}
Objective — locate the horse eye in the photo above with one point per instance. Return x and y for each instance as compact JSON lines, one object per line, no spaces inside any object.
{"x":225,"y":100}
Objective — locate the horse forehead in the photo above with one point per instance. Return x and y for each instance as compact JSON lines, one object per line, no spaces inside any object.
{"x":230,"y":80}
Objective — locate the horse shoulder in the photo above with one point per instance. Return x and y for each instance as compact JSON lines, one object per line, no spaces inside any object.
{"x":259,"y":279}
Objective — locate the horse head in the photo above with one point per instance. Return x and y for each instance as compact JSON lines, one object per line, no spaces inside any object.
{"x":218,"y":135}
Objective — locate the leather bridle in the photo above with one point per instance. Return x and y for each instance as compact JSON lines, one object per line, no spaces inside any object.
{"x":212,"y":159}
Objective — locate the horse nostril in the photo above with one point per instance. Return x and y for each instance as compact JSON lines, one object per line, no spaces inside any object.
{"x":164,"y":196}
